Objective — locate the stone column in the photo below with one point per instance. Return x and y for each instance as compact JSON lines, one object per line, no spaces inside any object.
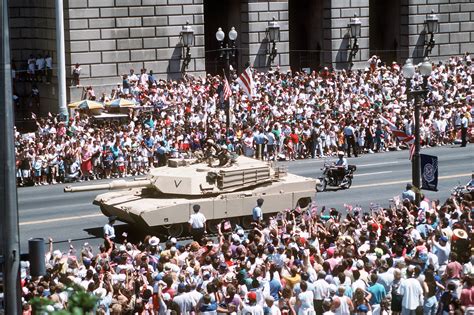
{"x":337,"y":16}
{"x":455,"y":31}
{"x":255,"y":46}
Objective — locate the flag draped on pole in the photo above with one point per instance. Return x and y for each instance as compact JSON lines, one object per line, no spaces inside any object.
{"x":402,"y":136}
{"x":227,"y":90}
{"x":245,"y":80}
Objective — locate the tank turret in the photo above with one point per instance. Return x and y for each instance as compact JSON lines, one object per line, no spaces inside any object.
{"x":166,"y":197}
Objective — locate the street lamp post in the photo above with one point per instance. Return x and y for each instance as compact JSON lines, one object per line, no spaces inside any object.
{"x":355,"y":32}
{"x":227,"y":53}
{"x":273,"y":34}
{"x":431,"y":24}
{"x":419,"y":95}
{"x":187,"y":36}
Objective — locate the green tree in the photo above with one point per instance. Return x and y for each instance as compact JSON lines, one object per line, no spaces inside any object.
{"x":79,"y":303}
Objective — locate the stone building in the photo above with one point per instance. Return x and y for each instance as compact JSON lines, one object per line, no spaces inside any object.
{"x":110,"y":37}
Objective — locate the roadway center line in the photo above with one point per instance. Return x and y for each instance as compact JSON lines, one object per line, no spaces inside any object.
{"x":406,"y":181}
{"x":374,"y":173}
{"x":375,"y":164}
{"x":76,"y":217}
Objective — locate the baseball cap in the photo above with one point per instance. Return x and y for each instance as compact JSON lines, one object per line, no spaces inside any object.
{"x":252,"y":296}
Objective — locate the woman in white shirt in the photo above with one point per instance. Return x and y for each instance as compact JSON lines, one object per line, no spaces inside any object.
{"x":305,"y":300}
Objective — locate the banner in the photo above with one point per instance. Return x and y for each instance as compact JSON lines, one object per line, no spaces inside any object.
{"x":429,"y":172}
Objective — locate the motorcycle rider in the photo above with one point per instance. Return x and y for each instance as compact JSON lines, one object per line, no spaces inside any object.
{"x":340,"y":167}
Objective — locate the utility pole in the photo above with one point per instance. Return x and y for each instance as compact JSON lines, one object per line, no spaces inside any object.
{"x":10,"y":255}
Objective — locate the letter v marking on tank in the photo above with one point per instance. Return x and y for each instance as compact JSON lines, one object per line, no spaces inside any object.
{"x":177,"y":183}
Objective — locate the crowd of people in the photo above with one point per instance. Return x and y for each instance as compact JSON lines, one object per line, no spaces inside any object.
{"x":37,"y":68}
{"x":401,"y":259}
{"x":292,"y":115}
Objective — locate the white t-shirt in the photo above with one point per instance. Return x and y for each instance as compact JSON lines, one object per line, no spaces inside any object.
{"x":252,"y":309}
{"x":185,"y":302}
{"x":197,"y":220}
{"x":412,"y":293}
{"x":306,"y":299}
{"x":109,"y":230}
{"x":271,"y":138}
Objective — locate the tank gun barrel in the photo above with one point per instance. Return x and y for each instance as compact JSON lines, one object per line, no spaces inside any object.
{"x":114,"y":185}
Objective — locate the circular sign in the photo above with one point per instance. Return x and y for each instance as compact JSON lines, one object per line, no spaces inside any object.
{"x":429,"y":172}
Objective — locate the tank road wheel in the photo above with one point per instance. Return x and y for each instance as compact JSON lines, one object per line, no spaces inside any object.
{"x":175,"y":230}
{"x":321,"y":186}
{"x":304,"y":202}
{"x":212,"y":226}
{"x":234,"y":221}
{"x":247,"y":222}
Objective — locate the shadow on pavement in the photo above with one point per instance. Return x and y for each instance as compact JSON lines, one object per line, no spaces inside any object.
{"x":133,"y":234}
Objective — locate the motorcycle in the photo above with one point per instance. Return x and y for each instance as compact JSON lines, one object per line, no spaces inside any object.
{"x":333,"y":179}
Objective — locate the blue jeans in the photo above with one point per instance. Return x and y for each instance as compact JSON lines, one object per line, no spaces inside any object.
{"x":430,"y":306}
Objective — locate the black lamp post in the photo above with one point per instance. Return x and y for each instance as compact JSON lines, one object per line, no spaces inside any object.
{"x":355,"y":30}
{"x":431,"y":24}
{"x":273,"y":35}
{"x":187,"y":36}
{"x":408,"y":71}
{"x":227,"y":53}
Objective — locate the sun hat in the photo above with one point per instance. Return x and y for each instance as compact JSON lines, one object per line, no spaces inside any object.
{"x":154,"y":241}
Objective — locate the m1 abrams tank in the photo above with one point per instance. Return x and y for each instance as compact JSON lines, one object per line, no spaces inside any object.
{"x":166,"y":197}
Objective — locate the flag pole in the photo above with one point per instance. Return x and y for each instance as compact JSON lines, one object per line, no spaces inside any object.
{"x":227,"y":110}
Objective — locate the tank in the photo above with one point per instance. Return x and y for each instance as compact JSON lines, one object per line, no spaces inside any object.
{"x":166,"y":196}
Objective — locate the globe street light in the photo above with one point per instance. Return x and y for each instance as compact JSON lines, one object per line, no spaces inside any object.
{"x":227,"y":53}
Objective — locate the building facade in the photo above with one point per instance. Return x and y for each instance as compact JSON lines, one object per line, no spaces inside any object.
{"x":110,"y":37}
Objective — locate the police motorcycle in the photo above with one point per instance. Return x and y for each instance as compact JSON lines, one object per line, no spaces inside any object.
{"x":334,"y":176}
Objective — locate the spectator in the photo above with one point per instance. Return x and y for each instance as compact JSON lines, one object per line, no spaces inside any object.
{"x":186,"y":113}
{"x":277,"y":267}
{"x":49,"y":67}
{"x":197,"y":224}
{"x":109,"y":230}
{"x":76,"y":75}
{"x":412,"y":294}
{"x":257,"y":213}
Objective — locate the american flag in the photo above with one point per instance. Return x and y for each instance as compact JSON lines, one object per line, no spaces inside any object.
{"x":227,"y":90}
{"x":245,"y":80}
{"x":401,"y":135}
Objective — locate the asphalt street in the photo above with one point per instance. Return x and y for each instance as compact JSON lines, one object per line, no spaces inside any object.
{"x":47,"y":211}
